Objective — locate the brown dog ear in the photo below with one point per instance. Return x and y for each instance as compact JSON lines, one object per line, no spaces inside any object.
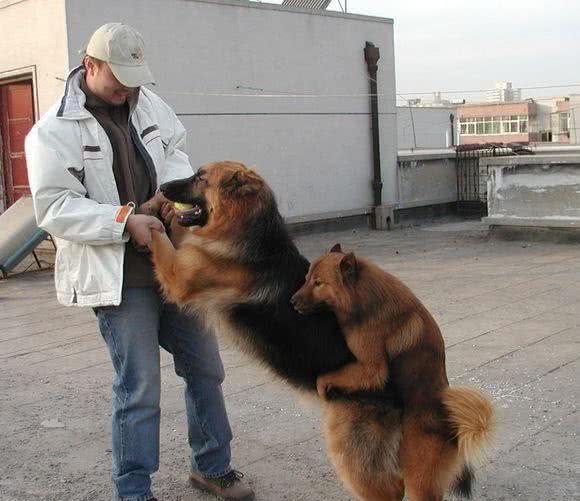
{"x":336,"y":248}
{"x":241,"y":183}
{"x":349,"y":268}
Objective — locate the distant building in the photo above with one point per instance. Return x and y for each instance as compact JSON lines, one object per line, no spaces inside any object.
{"x":545,"y":120}
{"x":503,"y":93}
{"x":436,"y":102}
{"x":498,"y":123}
{"x":554,"y":118}
{"x":573,"y":122}
{"x":561,"y":122}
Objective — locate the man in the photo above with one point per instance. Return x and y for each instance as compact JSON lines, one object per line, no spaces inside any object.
{"x":99,"y":152}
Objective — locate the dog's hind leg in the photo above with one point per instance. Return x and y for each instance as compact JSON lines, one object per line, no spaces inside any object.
{"x":382,"y":489}
{"x":363,"y":444}
{"x":429,"y":462}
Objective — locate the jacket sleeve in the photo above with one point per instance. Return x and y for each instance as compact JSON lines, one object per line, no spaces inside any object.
{"x":173,"y":135}
{"x":60,"y":199}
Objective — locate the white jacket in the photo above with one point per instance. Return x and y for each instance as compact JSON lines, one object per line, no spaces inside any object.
{"x":70,"y":168}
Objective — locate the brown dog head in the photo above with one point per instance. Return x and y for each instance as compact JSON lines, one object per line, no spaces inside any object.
{"x":221,"y":193}
{"x":329,"y":282}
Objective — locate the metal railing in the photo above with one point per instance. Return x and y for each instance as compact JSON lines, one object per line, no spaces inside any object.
{"x":472,"y":179}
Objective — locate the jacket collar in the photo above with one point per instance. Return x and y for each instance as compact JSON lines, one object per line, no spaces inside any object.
{"x":72,"y":104}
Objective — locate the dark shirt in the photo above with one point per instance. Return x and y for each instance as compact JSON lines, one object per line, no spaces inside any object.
{"x":131,"y":176}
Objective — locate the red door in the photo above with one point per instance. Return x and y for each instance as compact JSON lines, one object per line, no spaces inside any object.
{"x":16,"y":119}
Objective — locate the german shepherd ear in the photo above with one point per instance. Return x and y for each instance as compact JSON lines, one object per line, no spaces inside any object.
{"x":336,"y":248}
{"x":241,"y":183}
{"x":349,"y":268}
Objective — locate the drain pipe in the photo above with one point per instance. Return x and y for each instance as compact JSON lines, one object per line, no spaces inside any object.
{"x":451,"y":121}
{"x":379,"y":220}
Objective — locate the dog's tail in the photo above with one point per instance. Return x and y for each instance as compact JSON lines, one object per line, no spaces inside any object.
{"x":472,"y":422}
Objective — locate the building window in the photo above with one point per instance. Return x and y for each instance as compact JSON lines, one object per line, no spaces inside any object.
{"x":514,"y":124}
{"x":505,"y":125}
{"x":488,"y":126}
{"x":564,"y":122}
{"x":470,"y":122}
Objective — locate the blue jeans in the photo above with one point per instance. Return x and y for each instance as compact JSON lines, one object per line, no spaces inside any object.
{"x":133,"y":331}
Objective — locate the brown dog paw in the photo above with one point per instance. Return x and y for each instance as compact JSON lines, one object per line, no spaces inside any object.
{"x":323,"y":386}
{"x":152,"y":206}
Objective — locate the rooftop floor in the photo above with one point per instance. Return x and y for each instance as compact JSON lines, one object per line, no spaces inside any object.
{"x":509,"y":311}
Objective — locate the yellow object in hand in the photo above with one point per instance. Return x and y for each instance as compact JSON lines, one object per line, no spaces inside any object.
{"x":180,"y":206}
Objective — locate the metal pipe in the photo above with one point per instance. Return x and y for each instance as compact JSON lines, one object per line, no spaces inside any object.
{"x":451,"y":120}
{"x":413,"y":125}
{"x":372,"y":55}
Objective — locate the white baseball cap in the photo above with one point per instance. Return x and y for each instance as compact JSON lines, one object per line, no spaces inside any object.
{"x":123,"y":49}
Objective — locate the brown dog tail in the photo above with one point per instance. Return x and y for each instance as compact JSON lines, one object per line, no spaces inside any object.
{"x":471,"y":417}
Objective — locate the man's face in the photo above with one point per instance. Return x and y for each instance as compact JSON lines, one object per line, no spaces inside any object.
{"x":103,"y":84}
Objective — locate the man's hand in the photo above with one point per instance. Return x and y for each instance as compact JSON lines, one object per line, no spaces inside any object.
{"x":139,"y":226}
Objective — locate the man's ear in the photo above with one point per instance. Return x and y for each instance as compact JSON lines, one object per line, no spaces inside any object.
{"x":349,"y":269}
{"x":241,"y":183}
{"x":336,"y":248}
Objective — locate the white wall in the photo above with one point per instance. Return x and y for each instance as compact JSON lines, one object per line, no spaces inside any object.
{"x":544,"y":110}
{"x":315,"y":152}
{"x":33,"y":45}
{"x":538,"y":190}
{"x":431,"y":127}
{"x":33,"y":42}
{"x":427,"y":178}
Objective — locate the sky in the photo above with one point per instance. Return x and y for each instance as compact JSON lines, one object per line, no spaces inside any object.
{"x":470,"y":44}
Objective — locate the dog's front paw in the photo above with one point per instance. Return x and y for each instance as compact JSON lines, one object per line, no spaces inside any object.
{"x":152,"y":206}
{"x":323,"y":386}
{"x":334,"y":393}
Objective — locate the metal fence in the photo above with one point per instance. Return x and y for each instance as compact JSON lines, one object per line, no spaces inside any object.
{"x":472,"y":179}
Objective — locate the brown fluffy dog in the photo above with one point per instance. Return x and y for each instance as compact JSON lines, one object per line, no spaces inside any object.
{"x":393,"y":337}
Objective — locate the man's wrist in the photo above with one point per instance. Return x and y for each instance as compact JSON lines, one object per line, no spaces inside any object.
{"x":124,"y":213}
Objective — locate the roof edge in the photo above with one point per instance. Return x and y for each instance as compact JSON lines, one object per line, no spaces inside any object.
{"x":296,"y":10}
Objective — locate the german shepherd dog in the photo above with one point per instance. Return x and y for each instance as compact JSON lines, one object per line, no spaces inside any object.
{"x":393,"y":337}
{"x":231,"y":261}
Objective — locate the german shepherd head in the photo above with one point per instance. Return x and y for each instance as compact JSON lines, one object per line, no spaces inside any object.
{"x":328,"y":282}
{"x":223,"y":195}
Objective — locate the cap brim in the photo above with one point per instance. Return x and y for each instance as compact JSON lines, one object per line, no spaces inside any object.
{"x":132,"y":76}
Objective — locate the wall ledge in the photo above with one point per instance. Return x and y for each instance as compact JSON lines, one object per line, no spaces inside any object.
{"x":543,"y":222}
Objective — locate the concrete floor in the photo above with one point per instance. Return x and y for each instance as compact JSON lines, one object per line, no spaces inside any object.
{"x":510,"y":313}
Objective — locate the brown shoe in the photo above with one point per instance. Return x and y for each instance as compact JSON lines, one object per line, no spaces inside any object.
{"x":229,"y":487}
